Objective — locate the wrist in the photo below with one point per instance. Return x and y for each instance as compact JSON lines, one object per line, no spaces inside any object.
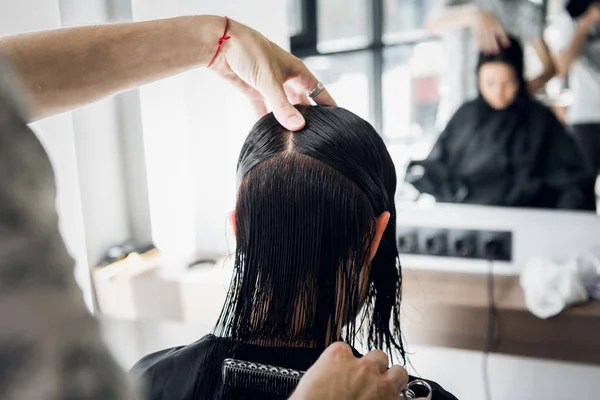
{"x":206,"y":31}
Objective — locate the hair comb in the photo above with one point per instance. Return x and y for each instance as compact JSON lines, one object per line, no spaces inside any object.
{"x":275,"y":380}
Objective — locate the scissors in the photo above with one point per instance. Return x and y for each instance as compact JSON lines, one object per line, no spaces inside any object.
{"x":409,"y":393}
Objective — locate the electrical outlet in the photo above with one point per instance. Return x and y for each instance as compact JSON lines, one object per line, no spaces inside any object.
{"x":434,"y":241}
{"x":408,"y":241}
{"x":463,"y":243}
{"x":495,"y":245}
{"x":460,"y":243}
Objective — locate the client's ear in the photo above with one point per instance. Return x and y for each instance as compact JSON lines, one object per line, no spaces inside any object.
{"x":380,"y":224}
{"x":232,"y":222}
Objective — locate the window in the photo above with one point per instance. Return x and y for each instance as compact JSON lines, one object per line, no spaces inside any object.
{"x":342,"y":23}
{"x":376,"y":59}
{"x":346,"y":76}
{"x":405,"y":16}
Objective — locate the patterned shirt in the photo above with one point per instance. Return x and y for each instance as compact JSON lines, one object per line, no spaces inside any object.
{"x":584,"y":73}
{"x":50,"y":346}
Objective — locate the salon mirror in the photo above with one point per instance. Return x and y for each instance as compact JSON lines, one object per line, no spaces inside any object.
{"x":379,"y":60}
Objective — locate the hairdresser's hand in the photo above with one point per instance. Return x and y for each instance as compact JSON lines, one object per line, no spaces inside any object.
{"x":264,"y":71}
{"x":591,"y":16}
{"x":489,"y":33}
{"x":337,"y":374}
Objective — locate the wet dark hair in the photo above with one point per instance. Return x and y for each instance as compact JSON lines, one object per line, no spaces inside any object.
{"x":305,"y":217}
{"x":576,"y":8}
{"x":512,"y":56}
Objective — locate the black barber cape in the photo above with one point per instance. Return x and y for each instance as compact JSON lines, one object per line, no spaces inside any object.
{"x":521,"y":156}
{"x":193,"y":372}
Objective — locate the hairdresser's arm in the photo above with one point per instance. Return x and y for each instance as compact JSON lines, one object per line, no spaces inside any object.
{"x":565,"y":57}
{"x":549,"y":69}
{"x":486,"y":28}
{"x":66,"y":68}
{"x":337,"y":374}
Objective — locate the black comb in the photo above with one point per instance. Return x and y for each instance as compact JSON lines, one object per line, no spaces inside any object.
{"x":257,"y":377}
{"x":270,"y":379}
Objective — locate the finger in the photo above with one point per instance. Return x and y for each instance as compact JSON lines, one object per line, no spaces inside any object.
{"x":397,"y":377}
{"x":260,"y":108}
{"x":503,"y":38}
{"x":479,"y":39}
{"x":493,"y":45}
{"x":300,"y":100}
{"x":338,"y":349}
{"x":378,"y":358}
{"x":256,"y":99}
{"x":490,"y":39}
{"x":295,"y":97}
{"x":324,"y":98}
{"x":482,"y":39}
{"x":303,"y":81}
{"x":284,"y":112}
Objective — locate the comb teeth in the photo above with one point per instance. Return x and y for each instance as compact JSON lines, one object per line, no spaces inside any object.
{"x":260,"y":377}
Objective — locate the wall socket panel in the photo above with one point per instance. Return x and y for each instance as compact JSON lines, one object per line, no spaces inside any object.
{"x":459,"y":243}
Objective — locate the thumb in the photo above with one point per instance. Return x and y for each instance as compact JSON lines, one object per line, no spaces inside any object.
{"x":284,"y":112}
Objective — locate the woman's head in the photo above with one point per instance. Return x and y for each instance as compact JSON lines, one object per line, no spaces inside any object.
{"x":315,"y":231}
{"x":501,"y":76}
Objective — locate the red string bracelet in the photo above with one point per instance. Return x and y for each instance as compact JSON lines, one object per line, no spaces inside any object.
{"x":221,"y":41}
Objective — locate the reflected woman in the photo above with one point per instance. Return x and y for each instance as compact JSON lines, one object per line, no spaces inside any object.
{"x":316,"y":258}
{"x":505,"y":148}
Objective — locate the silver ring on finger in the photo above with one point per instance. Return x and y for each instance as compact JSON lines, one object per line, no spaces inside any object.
{"x":316,"y":91}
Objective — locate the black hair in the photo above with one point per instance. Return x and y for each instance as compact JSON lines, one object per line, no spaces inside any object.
{"x":511,"y":55}
{"x":576,"y":8}
{"x":305,"y":217}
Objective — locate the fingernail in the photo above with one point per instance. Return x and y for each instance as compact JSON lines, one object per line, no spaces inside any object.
{"x":295,"y":121}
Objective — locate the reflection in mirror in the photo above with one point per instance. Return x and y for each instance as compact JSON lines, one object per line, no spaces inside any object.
{"x":346,"y":77}
{"x":503,"y":133}
{"x":294,"y":13}
{"x":341,"y":24}
{"x":406,"y":17}
{"x":411,"y":97}
{"x":505,"y":148}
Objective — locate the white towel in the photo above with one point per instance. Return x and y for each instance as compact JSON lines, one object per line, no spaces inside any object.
{"x":550,"y":287}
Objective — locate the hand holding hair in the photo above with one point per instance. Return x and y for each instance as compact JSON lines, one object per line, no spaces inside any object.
{"x":489,"y":32}
{"x":264,"y":71}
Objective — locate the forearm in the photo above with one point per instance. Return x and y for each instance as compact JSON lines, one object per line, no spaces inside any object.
{"x":549,"y":68}
{"x":451,"y":17}
{"x":66,"y":68}
{"x":539,"y":82}
{"x":565,"y":58}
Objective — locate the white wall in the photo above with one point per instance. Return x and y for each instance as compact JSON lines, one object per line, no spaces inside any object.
{"x":511,"y":378}
{"x":99,"y":151}
{"x":220,"y":127}
{"x":194,"y":125}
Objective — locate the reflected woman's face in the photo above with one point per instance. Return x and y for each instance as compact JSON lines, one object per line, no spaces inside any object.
{"x":498,"y":84}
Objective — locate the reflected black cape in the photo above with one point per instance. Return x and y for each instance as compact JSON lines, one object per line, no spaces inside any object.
{"x":193,"y":372}
{"x":521,"y":156}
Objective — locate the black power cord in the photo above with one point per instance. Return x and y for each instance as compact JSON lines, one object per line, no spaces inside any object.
{"x":489,"y":334}
{"x":492,"y":250}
